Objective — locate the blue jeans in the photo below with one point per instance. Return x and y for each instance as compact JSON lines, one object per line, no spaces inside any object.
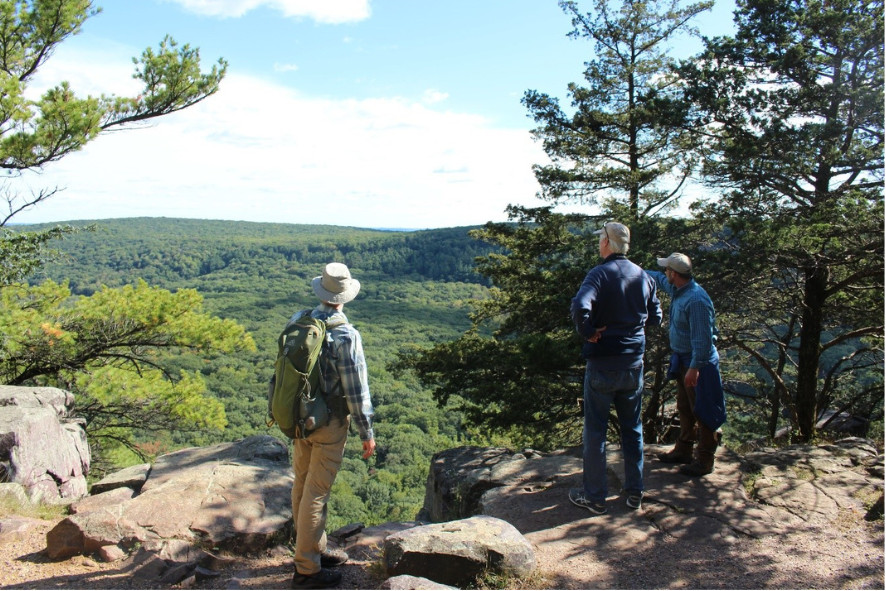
{"x":603,"y":388}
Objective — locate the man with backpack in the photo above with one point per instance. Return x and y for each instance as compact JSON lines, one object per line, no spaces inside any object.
{"x":611,"y":310}
{"x":317,"y":453}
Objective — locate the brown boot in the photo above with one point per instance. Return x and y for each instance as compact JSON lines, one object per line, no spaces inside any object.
{"x":681,"y":454}
{"x":703,"y":463}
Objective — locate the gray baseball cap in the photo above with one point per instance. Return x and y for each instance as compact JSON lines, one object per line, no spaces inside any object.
{"x":678,"y":262}
{"x":615,"y":231}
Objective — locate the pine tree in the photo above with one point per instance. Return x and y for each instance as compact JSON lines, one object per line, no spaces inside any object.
{"x":623,"y":151}
{"x":794,"y":112}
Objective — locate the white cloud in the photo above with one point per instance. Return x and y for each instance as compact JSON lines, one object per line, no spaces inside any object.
{"x":432,"y":96}
{"x":322,"y":11}
{"x":261,"y":152}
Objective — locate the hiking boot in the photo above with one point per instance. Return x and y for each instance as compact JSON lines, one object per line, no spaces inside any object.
{"x":701,"y":465}
{"x":634,"y":501}
{"x":578,"y":497}
{"x":697,"y":468}
{"x":681,"y":454}
{"x":333,"y":557}
{"x":324,"y":579}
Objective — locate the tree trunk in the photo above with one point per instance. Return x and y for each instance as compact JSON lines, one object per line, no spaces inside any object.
{"x":810,"y":350}
{"x":779,"y":393}
{"x":654,"y":427}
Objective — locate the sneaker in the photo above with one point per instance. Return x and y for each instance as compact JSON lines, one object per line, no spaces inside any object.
{"x":577,"y":496}
{"x":325,"y":579}
{"x":635,"y":501}
{"x":333,"y":557}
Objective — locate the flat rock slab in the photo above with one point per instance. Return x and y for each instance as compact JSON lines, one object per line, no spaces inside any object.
{"x":748,"y":511}
{"x":226,"y":495}
{"x":133,"y":477}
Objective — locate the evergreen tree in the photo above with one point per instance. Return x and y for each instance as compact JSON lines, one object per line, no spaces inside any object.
{"x":114,"y":351}
{"x":794,"y":107}
{"x":623,"y":150}
{"x":625,"y":138}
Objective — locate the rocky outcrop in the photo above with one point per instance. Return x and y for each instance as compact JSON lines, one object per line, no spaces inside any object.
{"x":496,"y":511}
{"x":41,"y":447}
{"x":782,"y":496}
{"x":459,"y":479}
{"x":456,"y":552}
{"x":224,"y":496}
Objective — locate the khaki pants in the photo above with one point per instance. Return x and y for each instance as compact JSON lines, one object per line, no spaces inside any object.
{"x":315,"y":461}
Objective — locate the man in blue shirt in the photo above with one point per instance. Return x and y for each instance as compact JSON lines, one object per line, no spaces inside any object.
{"x":317,"y":458}
{"x":611,"y":310}
{"x":695,"y":364}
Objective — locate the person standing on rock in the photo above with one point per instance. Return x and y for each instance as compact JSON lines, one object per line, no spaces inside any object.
{"x":695,"y":365}
{"x":611,"y":310}
{"x":316,"y":459}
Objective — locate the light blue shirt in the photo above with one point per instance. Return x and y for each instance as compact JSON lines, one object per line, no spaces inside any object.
{"x":693,"y":327}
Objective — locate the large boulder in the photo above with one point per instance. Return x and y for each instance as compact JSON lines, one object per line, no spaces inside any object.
{"x":461,"y":480}
{"x":230,"y":495}
{"x":458,"y":478}
{"x":456,"y":552}
{"x":41,"y":447}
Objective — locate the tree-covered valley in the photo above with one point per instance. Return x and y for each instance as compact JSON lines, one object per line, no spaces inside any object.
{"x":415,"y":292}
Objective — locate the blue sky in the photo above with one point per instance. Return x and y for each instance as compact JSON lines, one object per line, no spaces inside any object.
{"x":369,"y":113}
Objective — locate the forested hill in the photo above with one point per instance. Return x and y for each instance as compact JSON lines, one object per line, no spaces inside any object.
{"x":415,"y":291}
{"x":164,"y":249}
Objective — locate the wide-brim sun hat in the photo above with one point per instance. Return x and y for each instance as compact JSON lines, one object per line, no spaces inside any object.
{"x":335,"y":285}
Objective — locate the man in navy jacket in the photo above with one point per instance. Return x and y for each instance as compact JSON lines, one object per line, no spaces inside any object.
{"x":611,"y":310}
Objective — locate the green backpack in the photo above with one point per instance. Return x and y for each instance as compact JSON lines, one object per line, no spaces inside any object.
{"x":295,"y":400}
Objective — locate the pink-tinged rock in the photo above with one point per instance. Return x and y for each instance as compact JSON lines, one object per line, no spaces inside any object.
{"x":40,"y":447}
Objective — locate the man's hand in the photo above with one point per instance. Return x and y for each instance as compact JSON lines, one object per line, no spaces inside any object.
{"x":368,"y":448}
{"x":691,"y":379}
{"x":596,"y":336}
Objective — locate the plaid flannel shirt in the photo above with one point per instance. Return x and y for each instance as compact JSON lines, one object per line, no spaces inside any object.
{"x":343,"y":367}
{"x":693,"y":327}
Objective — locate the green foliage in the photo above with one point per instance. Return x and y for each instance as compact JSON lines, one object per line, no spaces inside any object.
{"x":23,"y":253}
{"x":501,"y":375}
{"x":795,"y":106}
{"x":626,"y":139}
{"x":173,"y":81}
{"x":259,"y":274}
{"x":111,"y":349}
